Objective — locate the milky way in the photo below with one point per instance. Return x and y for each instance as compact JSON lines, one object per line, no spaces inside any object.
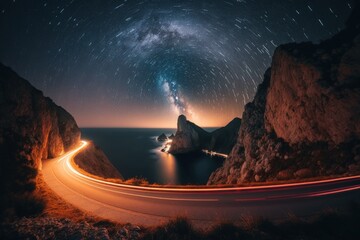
{"x":141,"y":63}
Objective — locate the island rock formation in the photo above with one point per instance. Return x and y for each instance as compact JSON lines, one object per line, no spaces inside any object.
{"x":188,"y":138}
{"x":304,"y":120}
{"x":162,"y":138}
{"x":191,"y":138}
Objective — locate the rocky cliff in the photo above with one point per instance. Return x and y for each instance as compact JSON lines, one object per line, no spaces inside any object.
{"x":32,"y":128}
{"x":304,"y":120}
{"x":94,"y":161}
{"x":190,"y":138}
{"x":223,"y":139}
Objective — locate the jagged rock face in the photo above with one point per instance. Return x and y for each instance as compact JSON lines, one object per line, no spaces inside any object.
{"x":310,"y":103}
{"x":182,"y":124}
{"x":305,"y":118}
{"x":32,"y":128}
{"x":235,"y":168}
{"x":223,"y":139}
{"x":188,"y":137}
{"x":94,"y":161}
{"x":44,"y":129}
{"x":68,"y":129}
{"x":162,"y":138}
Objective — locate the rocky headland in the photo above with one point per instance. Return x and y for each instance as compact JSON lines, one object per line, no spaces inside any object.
{"x":191,"y":138}
{"x":94,"y":161}
{"x":304,"y":120}
{"x":34,"y":128}
{"x":223,"y":139}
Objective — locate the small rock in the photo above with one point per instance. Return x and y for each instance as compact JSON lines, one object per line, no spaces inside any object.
{"x":162,"y":138}
{"x":353,"y":168}
{"x":284,"y":175}
{"x":303,"y":173}
{"x":136,"y":228}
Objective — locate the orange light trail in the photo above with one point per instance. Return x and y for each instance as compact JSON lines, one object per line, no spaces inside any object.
{"x":72,"y":153}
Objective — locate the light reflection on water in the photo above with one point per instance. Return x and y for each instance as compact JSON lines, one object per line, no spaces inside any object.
{"x":137,"y":153}
{"x":167,"y":166}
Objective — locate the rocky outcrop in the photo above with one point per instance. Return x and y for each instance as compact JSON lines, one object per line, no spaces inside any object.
{"x":188,"y":138}
{"x":311,"y":97}
{"x":162,"y":138}
{"x":248,"y":141}
{"x":32,"y":128}
{"x":94,"y":161}
{"x":191,"y":138}
{"x":304,"y":120}
{"x":223,"y":139}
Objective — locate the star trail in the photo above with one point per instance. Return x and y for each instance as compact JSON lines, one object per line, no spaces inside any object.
{"x":142,"y":63}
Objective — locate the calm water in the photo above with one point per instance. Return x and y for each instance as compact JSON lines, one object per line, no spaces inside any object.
{"x":136,"y":153}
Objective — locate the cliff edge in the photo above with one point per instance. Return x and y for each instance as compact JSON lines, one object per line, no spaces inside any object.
{"x":304,"y":120}
{"x":190,"y":137}
{"x":32,"y":128}
{"x":94,"y":161}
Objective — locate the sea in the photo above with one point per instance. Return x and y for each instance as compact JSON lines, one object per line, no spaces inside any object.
{"x":135,"y":152}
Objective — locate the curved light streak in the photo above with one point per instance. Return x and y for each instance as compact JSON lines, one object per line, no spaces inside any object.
{"x":68,"y":157}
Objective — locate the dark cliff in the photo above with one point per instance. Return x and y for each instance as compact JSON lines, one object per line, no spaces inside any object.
{"x":223,"y":139}
{"x":94,"y":161}
{"x":304,"y":120}
{"x":32,"y":128}
{"x":190,"y":138}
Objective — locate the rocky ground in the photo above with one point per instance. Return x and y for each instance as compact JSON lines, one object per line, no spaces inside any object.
{"x":65,"y":228}
{"x":61,"y":220}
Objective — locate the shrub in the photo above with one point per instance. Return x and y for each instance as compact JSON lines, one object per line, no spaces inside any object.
{"x":176,"y":229}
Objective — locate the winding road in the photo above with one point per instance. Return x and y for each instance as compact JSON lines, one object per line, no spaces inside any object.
{"x":150,"y":206}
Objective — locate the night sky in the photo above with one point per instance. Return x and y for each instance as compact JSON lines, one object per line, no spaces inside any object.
{"x":142,"y":63}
